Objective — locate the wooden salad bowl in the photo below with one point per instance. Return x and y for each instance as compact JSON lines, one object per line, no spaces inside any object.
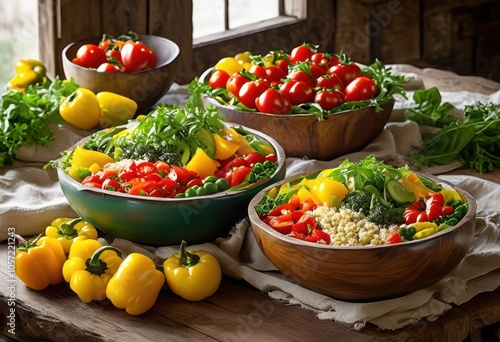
{"x":368,"y":273}
{"x":304,"y":135}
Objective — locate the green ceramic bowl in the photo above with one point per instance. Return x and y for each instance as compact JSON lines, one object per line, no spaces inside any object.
{"x":166,"y":221}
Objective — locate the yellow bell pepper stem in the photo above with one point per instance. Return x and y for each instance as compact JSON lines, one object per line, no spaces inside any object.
{"x":89,"y":278}
{"x":136,"y":284}
{"x":68,"y":230}
{"x":193,"y":276}
{"x":81,"y":109}
{"x":28,"y":72}
{"x":39,"y":262}
{"x":116,"y":109}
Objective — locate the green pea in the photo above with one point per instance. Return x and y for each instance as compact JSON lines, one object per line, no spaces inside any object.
{"x":200,"y":191}
{"x":210,"y":188}
{"x":210,"y":179}
{"x":190,"y":192}
{"x":180,"y":195}
{"x":222,"y":184}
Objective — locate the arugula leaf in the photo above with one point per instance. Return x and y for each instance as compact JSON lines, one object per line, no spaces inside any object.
{"x":25,"y":117}
{"x":474,"y":141}
{"x":430,"y":111}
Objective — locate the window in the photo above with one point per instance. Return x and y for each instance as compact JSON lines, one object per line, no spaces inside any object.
{"x":18,"y":36}
{"x":217,"y":19}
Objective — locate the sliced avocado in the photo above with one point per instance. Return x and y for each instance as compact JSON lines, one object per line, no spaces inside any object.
{"x":398,"y":192}
{"x":204,"y":136}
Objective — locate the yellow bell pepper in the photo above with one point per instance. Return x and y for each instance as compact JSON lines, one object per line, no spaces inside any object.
{"x":202,"y":164}
{"x":68,"y":230}
{"x":192,"y":275}
{"x":224,"y":148}
{"x":116,"y":109}
{"x":83,"y":159}
{"x":39,"y":262}
{"x":87,"y":276}
{"x":81,"y":109}
{"x":328,"y":191}
{"x":135,"y":285}
{"x":28,"y":71}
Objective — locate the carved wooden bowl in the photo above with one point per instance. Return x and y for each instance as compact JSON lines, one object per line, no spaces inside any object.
{"x":369,"y":273}
{"x":145,"y":87}
{"x":303,"y":135}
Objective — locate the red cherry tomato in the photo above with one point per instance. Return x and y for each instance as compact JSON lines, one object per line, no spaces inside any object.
{"x":235,"y":82}
{"x":272,"y":101}
{"x":274,"y":74}
{"x":346,"y":72}
{"x":108,"y":67}
{"x":251,"y":90}
{"x":258,"y":71}
{"x":136,"y":56}
{"x":329,"y":99}
{"x":90,"y":56}
{"x":330,"y":82}
{"x":218,"y":79}
{"x":361,"y":88}
{"x":301,"y":75}
{"x":301,"y":53}
{"x":300,"y":92}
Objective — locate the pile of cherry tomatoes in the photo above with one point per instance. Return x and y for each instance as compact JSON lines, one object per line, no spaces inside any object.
{"x":278,"y":81}
{"x":126,"y":53}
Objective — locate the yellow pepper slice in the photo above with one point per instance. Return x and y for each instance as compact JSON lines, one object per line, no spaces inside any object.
{"x":116,"y":109}
{"x":89,"y":277}
{"x":328,"y":191}
{"x":81,"y":109}
{"x":193,"y":276}
{"x":224,"y":148}
{"x":135,"y":285}
{"x":39,"y":262}
{"x":202,"y":164}
{"x":86,"y":159}
{"x":68,"y":230}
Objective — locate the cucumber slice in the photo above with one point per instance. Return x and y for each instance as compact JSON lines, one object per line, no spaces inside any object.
{"x":204,"y":136}
{"x":399,"y":193}
{"x":183,"y":151}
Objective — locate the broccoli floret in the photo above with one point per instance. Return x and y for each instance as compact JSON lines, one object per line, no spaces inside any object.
{"x":383,"y":215}
{"x":358,"y":201}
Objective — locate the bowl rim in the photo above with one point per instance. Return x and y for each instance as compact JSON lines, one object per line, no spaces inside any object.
{"x":204,"y":77}
{"x":255,"y":220}
{"x":176,"y":53}
{"x":280,"y":157}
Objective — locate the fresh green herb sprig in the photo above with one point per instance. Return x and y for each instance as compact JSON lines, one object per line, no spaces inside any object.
{"x":473,"y":141}
{"x":25,"y":117}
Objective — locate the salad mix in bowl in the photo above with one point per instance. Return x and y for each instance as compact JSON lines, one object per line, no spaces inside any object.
{"x":305,"y":80}
{"x":172,"y":152}
{"x":361,"y":203}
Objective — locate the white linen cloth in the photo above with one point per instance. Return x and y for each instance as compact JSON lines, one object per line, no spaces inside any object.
{"x":31,"y":198}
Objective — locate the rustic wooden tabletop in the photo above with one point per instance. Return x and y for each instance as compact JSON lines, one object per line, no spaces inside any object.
{"x":236,"y":312}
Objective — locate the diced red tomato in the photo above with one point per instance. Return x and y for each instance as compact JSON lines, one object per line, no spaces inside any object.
{"x":238,"y":175}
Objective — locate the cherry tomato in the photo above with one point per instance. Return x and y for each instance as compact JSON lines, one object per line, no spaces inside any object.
{"x":114,"y":54}
{"x":301,"y":53}
{"x":317,"y":71}
{"x":218,"y":79}
{"x":145,"y":168}
{"x":235,"y":82}
{"x":330,"y":82}
{"x":301,"y":75}
{"x":346,"y":72}
{"x":300,"y":92}
{"x":258,"y":71}
{"x":447,"y":210}
{"x":361,"y":88}
{"x":283,"y":65}
{"x":319,"y":58}
{"x":108,"y":67}
{"x":112,"y":185}
{"x":251,"y":90}
{"x":136,"y":56}
{"x":329,"y":99}
{"x":272,"y":101}
{"x":90,"y":56}
{"x":274,"y":74}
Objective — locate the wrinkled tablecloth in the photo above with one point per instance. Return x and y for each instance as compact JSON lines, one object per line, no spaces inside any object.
{"x":31,"y":198}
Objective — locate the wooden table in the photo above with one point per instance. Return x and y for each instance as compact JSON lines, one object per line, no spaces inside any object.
{"x":237,"y":312}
